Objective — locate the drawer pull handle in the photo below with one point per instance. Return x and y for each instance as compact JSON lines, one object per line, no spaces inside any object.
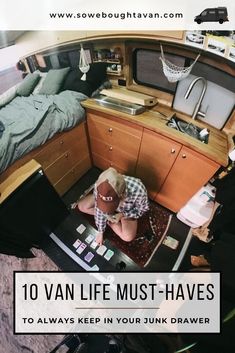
{"x":110,"y":148}
{"x":61,"y":142}
{"x":184,"y":155}
{"x":172,"y":150}
{"x":110,"y":129}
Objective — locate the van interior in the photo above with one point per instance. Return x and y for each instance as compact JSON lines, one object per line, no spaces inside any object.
{"x":154,"y":105}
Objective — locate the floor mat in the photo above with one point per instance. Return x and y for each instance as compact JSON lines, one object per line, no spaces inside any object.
{"x":152,"y":227}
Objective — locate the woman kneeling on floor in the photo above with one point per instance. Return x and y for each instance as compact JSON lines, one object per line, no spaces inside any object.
{"x":117,"y":200}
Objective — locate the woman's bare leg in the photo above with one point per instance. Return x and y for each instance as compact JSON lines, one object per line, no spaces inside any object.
{"x":126,"y":229}
{"x":87,"y":204}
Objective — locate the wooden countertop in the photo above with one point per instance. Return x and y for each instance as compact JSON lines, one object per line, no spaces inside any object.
{"x":155,"y":119}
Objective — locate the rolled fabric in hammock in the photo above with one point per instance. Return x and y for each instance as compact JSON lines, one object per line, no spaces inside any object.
{"x":173,"y":72}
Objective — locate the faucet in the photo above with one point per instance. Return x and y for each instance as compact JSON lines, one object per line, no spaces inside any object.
{"x":198,"y":104}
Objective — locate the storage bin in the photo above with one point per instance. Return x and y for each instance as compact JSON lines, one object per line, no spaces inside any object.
{"x":199,"y":208}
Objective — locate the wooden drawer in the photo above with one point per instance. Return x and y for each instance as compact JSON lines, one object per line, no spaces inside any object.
{"x":60,"y":145}
{"x":111,"y":151}
{"x":72,"y":176}
{"x":103,"y":164}
{"x":114,"y":133}
{"x":102,"y":148}
{"x":67,"y":160}
{"x":64,"y":158}
{"x":114,"y":156}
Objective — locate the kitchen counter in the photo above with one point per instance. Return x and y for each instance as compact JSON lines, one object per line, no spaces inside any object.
{"x":155,"y":119}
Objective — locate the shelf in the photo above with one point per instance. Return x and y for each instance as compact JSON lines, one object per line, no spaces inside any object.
{"x":115,"y":73}
{"x":113,"y":61}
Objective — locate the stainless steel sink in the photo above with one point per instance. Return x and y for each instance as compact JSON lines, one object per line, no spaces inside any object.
{"x":188,"y":128}
{"x":119,"y":104}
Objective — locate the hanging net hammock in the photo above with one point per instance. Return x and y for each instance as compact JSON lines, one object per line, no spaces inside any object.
{"x":173,"y":72}
{"x":84,"y":66}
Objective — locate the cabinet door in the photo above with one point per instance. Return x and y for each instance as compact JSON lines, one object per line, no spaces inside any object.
{"x":156,"y":157}
{"x":189,"y":173}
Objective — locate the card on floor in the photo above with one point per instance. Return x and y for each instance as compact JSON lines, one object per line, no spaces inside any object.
{"x":171,"y":242}
{"x":109,"y":254}
{"x":90,"y":238}
{"x":101,"y":250}
{"x":81,"y":248}
{"x":89,"y":256}
{"x":80,"y":229}
{"x":77,"y":243}
{"x":94,"y":245}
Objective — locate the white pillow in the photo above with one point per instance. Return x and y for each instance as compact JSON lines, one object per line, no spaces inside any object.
{"x":40,"y":83}
{"x":7,"y":96}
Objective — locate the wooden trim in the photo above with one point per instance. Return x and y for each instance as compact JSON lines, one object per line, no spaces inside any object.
{"x":229,"y":127}
{"x":162,"y":97}
{"x":17,"y":178}
{"x":152,"y":35}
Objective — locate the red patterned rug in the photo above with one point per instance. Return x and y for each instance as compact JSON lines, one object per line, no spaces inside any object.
{"x":152,"y":227}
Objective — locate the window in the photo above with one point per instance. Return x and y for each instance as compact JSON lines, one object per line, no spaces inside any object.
{"x":9,"y":77}
{"x":204,"y":13}
{"x":212,"y":12}
{"x":59,"y":58}
{"x":215,"y":75}
{"x":147,"y":69}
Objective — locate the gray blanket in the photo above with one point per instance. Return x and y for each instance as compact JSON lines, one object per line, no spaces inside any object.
{"x":31,"y":121}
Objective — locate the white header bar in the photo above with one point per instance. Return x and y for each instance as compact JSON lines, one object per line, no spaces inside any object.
{"x":108,"y":15}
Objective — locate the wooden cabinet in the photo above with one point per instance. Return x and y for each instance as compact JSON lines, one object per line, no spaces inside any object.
{"x":114,"y":143}
{"x":66,"y":159}
{"x":172,"y":172}
{"x":188,"y":174}
{"x":156,"y":157}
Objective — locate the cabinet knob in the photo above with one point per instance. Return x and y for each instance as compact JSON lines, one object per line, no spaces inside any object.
{"x":184,"y":155}
{"x":110,"y":164}
{"x":66,"y":155}
{"x":172,"y":150}
{"x":110,"y":148}
{"x":61,"y":142}
{"x":110,"y":129}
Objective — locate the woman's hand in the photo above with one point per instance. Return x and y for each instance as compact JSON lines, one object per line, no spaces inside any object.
{"x":115,"y":218}
{"x":118,"y":217}
{"x":99,"y":238}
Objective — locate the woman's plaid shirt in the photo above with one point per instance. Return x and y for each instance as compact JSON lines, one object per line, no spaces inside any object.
{"x":134,"y":204}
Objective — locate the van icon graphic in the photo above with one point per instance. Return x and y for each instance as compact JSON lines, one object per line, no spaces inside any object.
{"x":216,"y":14}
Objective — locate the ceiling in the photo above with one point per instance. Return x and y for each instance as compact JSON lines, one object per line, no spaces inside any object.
{"x":8,"y":38}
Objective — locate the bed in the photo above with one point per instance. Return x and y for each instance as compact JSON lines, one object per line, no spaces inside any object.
{"x":46,"y":122}
{"x":31,"y":121}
